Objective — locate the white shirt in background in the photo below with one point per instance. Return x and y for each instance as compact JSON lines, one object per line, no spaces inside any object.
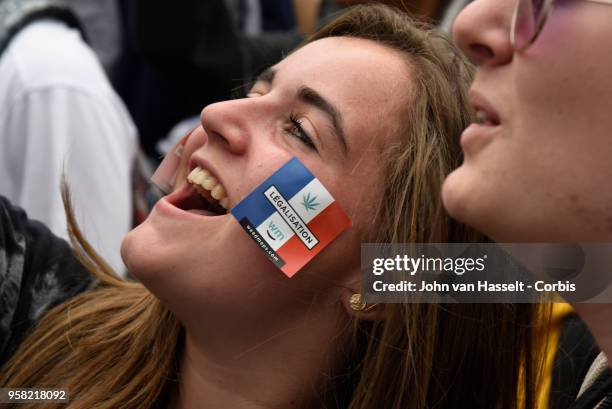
{"x":58,"y":113}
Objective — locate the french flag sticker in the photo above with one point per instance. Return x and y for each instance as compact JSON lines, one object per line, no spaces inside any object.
{"x":291,"y":217}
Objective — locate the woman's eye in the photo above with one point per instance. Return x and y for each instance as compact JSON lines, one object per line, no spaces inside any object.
{"x":296,"y":130}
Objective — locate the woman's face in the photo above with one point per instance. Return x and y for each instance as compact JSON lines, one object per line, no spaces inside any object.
{"x":540,"y":166}
{"x":333,"y":104}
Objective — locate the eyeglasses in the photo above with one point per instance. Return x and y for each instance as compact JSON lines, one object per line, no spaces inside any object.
{"x":529,"y":18}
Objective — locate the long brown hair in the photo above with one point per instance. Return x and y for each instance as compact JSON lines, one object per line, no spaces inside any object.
{"x":116,"y":346}
{"x":428,"y":355}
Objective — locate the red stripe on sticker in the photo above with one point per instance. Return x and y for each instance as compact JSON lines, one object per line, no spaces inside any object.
{"x":326,"y":226}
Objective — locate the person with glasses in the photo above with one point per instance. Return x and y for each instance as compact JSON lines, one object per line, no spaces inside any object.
{"x":538,"y":161}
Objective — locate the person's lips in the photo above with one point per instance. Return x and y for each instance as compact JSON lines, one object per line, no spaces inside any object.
{"x":186,"y":203}
{"x":481,"y":132}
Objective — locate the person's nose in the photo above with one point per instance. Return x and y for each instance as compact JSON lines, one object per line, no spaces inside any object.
{"x":231,"y":124}
{"x":482,"y":31}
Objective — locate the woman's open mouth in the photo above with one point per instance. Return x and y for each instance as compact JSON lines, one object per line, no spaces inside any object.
{"x":486,"y":125}
{"x":202,"y":195}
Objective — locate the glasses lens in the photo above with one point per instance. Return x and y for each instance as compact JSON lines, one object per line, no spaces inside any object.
{"x":528,"y":17}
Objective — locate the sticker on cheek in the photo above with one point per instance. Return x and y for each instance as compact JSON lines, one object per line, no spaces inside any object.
{"x":291,"y":217}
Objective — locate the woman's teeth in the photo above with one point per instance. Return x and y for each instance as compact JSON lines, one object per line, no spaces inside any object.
{"x":481,"y":117}
{"x":202,"y":178}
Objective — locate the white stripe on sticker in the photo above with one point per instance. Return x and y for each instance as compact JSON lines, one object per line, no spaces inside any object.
{"x":311,"y":200}
{"x":275,"y":231}
{"x":291,"y":217}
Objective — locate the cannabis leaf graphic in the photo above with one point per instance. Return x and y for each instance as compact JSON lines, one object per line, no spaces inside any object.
{"x":309,"y":202}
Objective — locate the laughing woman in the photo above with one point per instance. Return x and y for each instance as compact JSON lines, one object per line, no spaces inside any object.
{"x":372,"y":105}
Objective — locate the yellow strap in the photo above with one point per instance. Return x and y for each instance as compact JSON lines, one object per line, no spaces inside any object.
{"x":559,"y":312}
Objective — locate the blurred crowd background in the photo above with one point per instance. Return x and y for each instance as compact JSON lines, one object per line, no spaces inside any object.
{"x":173,"y":61}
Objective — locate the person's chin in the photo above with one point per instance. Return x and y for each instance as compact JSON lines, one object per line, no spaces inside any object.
{"x":129,"y":248}
{"x":466,"y":200}
{"x":456,"y":194}
{"x":139,"y":249}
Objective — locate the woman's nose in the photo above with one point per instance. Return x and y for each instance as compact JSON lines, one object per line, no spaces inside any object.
{"x":227,"y":123}
{"x":482,"y":31}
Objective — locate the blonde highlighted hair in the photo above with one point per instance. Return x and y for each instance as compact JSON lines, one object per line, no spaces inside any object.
{"x":116,"y":346}
{"x":111,"y":347}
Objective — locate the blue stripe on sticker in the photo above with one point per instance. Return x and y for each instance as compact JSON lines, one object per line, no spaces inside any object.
{"x":289,"y":180}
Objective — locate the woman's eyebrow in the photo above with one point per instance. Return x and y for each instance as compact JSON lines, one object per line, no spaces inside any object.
{"x":311,"y":97}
